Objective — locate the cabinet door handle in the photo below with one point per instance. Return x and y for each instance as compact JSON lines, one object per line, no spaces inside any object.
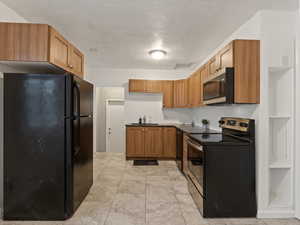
{"x":71,"y":66}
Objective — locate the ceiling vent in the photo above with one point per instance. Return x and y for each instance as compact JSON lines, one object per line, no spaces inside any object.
{"x":183,"y":66}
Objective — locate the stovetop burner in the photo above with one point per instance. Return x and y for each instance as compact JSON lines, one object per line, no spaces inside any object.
{"x":210,"y":139}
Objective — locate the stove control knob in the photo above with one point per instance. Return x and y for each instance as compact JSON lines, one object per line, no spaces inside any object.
{"x":221,"y":122}
{"x":244,"y":125}
{"x":231,"y":122}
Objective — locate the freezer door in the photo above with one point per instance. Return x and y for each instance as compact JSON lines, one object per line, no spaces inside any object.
{"x":85,"y":91}
{"x":34,"y":147}
{"x":82,"y":158}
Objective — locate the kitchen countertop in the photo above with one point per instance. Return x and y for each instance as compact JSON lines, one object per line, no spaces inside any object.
{"x":185,"y":128}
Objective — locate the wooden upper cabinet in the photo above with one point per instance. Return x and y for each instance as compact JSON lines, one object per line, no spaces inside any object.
{"x":59,"y":50}
{"x":165,"y":87}
{"x":168,"y":93}
{"x":24,"y":42}
{"x":137,"y":85}
{"x":224,"y":58}
{"x":212,"y":66}
{"x":181,"y":93}
{"x":76,"y":61}
{"x":153,"y":86}
{"x":203,"y":74}
{"x":153,"y":141}
{"x":195,"y":90}
{"x":246,"y":58}
{"x":169,"y":142}
{"x":191,"y":90}
{"x":198,"y":95}
{"x":149,"y":86}
{"x":135,"y":141}
{"x":38,"y":48}
{"x":241,"y":55}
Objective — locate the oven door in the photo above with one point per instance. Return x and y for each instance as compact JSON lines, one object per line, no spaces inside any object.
{"x":219,"y":88}
{"x":196,"y":164}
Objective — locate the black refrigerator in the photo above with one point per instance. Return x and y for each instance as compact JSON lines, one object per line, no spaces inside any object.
{"x":48,"y":145}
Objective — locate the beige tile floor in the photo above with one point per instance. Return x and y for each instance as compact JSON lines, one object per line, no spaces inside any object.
{"x":152,"y":195}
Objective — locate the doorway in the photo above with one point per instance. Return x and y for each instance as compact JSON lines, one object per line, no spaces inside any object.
{"x":115,"y":125}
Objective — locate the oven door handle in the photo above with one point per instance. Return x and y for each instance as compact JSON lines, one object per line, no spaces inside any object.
{"x":196,"y":146}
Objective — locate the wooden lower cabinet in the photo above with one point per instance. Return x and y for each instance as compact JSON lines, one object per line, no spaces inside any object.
{"x":151,"y":142}
{"x":169,"y":142}
{"x":135,"y":141}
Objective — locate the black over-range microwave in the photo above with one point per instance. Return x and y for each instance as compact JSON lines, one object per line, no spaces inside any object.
{"x":219,"y":88}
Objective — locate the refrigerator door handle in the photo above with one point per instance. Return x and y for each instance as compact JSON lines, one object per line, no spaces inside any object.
{"x":77,"y":90}
{"x":77,"y":118}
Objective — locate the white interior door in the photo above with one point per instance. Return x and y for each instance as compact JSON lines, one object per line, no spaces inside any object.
{"x":115,"y":127}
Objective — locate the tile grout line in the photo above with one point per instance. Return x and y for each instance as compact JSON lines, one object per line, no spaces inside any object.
{"x":146,"y":222}
{"x":178,"y":202}
{"x":111,"y":205}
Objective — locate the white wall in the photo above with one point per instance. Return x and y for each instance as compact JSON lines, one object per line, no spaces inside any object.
{"x":6,"y":15}
{"x":105,"y":77}
{"x":136,"y":104}
{"x":102,"y":94}
{"x":297,"y":120}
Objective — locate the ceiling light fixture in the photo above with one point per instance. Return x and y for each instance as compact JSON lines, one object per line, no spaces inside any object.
{"x":157,"y":54}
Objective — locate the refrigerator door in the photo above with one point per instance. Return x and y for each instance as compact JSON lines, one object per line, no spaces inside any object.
{"x":34,"y":147}
{"x":82,"y":159}
{"x":85,"y":91}
{"x":82,"y":130}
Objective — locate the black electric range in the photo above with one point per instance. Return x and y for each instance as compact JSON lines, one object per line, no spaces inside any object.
{"x":221,"y":170}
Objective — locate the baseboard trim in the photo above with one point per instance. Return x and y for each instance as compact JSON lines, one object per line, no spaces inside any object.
{"x":275,"y":214}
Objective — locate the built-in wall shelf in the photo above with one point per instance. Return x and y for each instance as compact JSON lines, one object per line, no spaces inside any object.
{"x":276,"y":145}
{"x":281,"y":93}
{"x":281,"y":103}
{"x":281,"y":165}
{"x":280,"y":188}
{"x":283,"y":117}
{"x":280,"y":141}
{"x":279,"y":69}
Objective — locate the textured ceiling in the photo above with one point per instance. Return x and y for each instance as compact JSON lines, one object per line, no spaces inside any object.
{"x":119,"y":33}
